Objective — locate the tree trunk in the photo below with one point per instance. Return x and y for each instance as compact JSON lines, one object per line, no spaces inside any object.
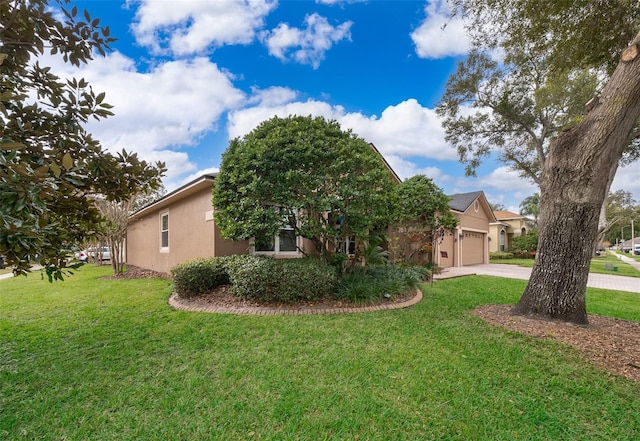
{"x":573,"y":187}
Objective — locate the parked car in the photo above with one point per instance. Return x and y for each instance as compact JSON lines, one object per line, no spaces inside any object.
{"x":1,"y":261}
{"x":81,"y":256}
{"x":636,"y":250}
{"x":99,"y":253}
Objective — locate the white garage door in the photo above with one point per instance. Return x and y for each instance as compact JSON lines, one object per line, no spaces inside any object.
{"x":472,"y":248}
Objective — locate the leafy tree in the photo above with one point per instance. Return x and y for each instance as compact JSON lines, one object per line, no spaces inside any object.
{"x":528,"y":108}
{"x":621,"y":208}
{"x":497,"y":207}
{"x":421,"y":216}
{"x":304,"y":173}
{"x":530,"y":206}
{"x":50,"y":166}
{"x":525,"y":242}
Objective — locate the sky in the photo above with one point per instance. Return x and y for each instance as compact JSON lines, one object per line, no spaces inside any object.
{"x":186,"y":76}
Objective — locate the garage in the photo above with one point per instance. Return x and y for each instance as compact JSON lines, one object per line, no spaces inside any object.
{"x":472,"y":245}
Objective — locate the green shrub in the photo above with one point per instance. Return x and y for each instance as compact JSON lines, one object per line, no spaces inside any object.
{"x":198,"y":276}
{"x":265,"y":279}
{"x":371,"y":283}
{"x":500,"y":255}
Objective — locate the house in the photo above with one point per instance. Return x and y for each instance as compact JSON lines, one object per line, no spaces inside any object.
{"x":180,"y":226}
{"x":468,"y":244}
{"x":507,"y":226}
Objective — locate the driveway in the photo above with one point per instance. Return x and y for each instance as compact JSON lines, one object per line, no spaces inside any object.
{"x":604,"y":281}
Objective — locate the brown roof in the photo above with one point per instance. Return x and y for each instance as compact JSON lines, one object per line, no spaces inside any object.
{"x":504,"y":215}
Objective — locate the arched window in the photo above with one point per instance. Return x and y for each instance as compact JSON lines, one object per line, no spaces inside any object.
{"x":503,"y":238}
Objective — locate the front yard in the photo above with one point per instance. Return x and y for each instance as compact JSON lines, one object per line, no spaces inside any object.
{"x":92,"y":358}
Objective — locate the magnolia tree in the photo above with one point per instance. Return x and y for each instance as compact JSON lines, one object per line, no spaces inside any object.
{"x":306,"y":175}
{"x":50,"y":166}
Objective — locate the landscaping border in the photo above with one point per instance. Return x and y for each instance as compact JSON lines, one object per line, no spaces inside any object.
{"x":175,"y":303}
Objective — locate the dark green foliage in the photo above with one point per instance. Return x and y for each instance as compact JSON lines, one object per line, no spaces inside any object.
{"x":372,"y":283}
{"x":198,"y":276}
{"x":526,"y":242}
{"x":264,"y":279}
{"x":292,"y":172}
{"x":50,"y":166}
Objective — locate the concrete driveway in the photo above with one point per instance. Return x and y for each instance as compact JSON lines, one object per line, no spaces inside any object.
{"x":604,"y":281}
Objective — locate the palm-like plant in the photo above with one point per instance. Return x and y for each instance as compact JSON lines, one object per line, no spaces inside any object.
{"x":530,"y":206}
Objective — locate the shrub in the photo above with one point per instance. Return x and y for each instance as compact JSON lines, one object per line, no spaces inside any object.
{"x":368,"y":284}
{"x":198,"y":276}
{"x":500,"y":255}
{"x":280,"y":280}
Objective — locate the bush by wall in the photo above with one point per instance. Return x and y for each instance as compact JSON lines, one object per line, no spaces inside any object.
{"x":280,"y":280}
{"x":500,"y":255}
{"x":198,"y":276}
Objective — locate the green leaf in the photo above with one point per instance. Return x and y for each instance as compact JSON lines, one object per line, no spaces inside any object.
{"x":67,"y":161}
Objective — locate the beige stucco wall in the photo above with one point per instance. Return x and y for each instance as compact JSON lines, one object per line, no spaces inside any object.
{"x":191,"y":234}
{"x":474,"y":221}
{"x":512,"y":228}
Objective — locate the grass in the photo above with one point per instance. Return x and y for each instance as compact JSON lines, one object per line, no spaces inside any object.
{"x":98,"y":359}
{"x":598,"y":265}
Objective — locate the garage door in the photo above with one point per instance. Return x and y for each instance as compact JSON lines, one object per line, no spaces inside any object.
{"x":472,"y":248}
{"x":446,"y":251}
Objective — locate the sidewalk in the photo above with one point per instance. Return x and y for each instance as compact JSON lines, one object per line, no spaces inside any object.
{"x":604,"y":281}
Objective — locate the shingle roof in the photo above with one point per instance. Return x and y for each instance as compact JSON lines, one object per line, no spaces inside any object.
{"x":461,"y":201}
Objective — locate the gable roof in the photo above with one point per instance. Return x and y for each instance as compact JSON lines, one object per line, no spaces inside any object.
{"x":177,"y":194}
{"x":461,"y":202}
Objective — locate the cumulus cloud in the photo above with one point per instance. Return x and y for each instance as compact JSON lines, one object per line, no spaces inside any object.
{"x":272,"y":96}
{"x":440,"y":35}
{"x":193,"y":26}
{"x":406,"y":129}
{"x":307,"y":45}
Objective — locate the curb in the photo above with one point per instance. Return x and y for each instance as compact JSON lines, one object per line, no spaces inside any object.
{"x":174,"y":302}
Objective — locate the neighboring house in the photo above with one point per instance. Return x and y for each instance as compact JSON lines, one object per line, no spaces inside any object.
{"x":507,"y":226}
{"x":468,"y":244}
{"x":180,"y":226}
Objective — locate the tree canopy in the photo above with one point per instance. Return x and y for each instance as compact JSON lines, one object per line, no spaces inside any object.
{"x":50,"y":166}
{"x":306,"y":174}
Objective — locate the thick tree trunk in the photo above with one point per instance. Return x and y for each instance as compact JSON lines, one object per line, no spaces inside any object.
{"x":573,"y":187}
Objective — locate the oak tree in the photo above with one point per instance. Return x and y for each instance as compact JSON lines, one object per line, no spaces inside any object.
{"x":563,"y":41}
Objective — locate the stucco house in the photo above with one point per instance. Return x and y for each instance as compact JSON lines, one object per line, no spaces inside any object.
{"x":180,"y":226}
{"x":506,"y":226}
{"x":468,"y":244}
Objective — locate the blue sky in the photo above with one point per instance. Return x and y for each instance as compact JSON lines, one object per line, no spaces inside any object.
{"x":186,"y":76}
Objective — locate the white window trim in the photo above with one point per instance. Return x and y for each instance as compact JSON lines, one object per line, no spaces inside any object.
{"x":276,"y":246}
{"x":165,"y":249}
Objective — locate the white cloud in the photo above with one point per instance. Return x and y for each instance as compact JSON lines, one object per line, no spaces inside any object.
{"x":241,"y":122}
{"x":272,"y":96}
{"x":406,"y":129}
{"x":440,"y":35}
{"x":308,"y":45}
{"x":406,"y":169}
{"x":193,"y":26}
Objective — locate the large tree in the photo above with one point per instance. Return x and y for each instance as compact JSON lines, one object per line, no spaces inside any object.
{"x":50,"y":166}
{"x":563,"y":41}
{"x":306,"y":174}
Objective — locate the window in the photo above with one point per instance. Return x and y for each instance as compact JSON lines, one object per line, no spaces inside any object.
{"x":346,"y":245}
{"x":285,"y":242}
{"x":502,"y":239}
{"x":164,"y":231}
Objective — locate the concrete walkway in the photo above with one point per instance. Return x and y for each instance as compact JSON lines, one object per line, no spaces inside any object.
{"x":604,"y":281}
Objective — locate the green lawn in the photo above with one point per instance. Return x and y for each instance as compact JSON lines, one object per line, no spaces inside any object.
{"x":96,"y":359}
{"x":598,"y":265}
